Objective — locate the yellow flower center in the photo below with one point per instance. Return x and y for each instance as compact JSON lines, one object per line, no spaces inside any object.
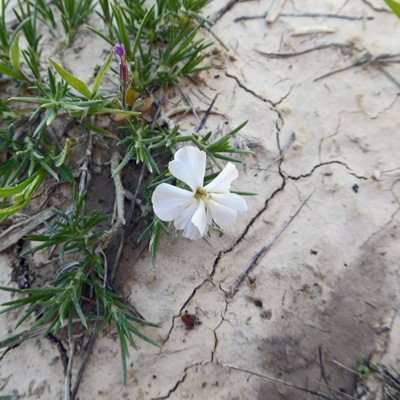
{"x":200,"y":194}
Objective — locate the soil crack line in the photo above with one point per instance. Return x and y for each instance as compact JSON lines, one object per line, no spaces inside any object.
{"x":257,"y":95}
{"x":296,"y":178}
{"x":266,"y":248}
{"x":179,"y":381}
{"x":381,"y":229}
{"x":220,"y":13}
{"x":377,"y":9}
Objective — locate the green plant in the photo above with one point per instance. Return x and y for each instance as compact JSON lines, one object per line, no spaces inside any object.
{"x":56,"y":306}
{"x":157,"y":46}
{"x":394,"y":5}
{"x":73,"y":14}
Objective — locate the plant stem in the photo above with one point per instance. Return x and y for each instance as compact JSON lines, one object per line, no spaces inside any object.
{"x":67,"y":385}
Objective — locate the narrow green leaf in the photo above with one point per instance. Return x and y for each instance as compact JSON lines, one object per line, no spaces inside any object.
{"x":112,"y":111}
{"x":226,"y":158}
{"x":45,"y":316}
{"x":100,"y":131}
{"x":65,"y":173}
{"x":244,"y":193}
{"x":99,"y":76}
{"x":10,"y":72}
{"x":28,"y":312}
{"x":79,"y":311}
{"x":126,"y":159}
{"x":48,"y":169}
{"x":395,"y":6}
{"x":124,"y":350}
{"x":63,"y":155}
{"x":76,"y":83}
{"x":141,"y":321}
{"x":144,"y":337}
{"x":106,"y":38}
{"x":14,"y":53}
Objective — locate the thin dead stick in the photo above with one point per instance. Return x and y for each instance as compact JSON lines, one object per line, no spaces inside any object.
{"x":160,"y":104}
{"x":67,"y":385}
{"x":189,"y":102}
{"x":88,"y":351}
{"x":17,"y":231}
{"x":132,"y":199}
{"x":338,"y":16}
{"x":270,"y":378}
{"x":321,"y":365}
{"x":274,"y":11}
{"x":307,"y":15}
{"x":283,"y":150}
{"x":384,"y":72}
{"x":314,"y":30}
{"x":119,"y":199}
{"x":54,"y":138}
{"x":365,"y":59}
{"x":266,"y":248}
{"x":337,"y":391}
{"x":299,"y":53}
{"x":119,"y":189}
{"x":343,"y":366}
{"x":204,"y":119}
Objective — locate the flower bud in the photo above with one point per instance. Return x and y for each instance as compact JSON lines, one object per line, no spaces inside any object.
{"x":123,"y":67}
{"x":124,"y":73}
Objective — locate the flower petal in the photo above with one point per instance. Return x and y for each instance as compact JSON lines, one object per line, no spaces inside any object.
{"x":169,"y":201}
{"x":222,"y":183}
{"x":199,"y":218}
{"x":191,"y":231}
{"x":222,"y":215}
{"x":230,"y":200}
{"x":185,"y":216}
{"x":189,"y":166}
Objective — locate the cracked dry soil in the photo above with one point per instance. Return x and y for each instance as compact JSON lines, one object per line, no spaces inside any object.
{"x":309,"y":278}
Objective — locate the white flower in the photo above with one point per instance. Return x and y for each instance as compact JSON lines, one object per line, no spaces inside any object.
{"x":194,"y":210}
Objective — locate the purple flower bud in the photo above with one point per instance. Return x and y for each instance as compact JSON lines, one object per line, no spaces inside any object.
{"x":120,"y":51}
{"x":123,"y":66}
{"x":124,"y":73}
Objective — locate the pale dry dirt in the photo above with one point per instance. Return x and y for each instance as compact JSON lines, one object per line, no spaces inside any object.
{"x":310,"y":276}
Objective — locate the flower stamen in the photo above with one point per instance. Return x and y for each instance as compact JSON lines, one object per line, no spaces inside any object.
{"x":201,"y":194}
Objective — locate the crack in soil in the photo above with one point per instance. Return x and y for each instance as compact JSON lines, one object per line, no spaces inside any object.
{"x":273,"y":104}
{"x":307,"y":175}
{"x":381,"y":229}
{"x":394,"y":101}
{"x":370,"y":5}
{"x":181,"y":380}
{"x":174,"y":388}
{"x":221,"y":12}
{"x":61,"y":349}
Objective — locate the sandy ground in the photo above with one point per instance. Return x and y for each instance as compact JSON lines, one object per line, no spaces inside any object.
{"x":310,"y":276}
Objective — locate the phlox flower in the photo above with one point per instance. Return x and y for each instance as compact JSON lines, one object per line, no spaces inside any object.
{"x":194,"y":210}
